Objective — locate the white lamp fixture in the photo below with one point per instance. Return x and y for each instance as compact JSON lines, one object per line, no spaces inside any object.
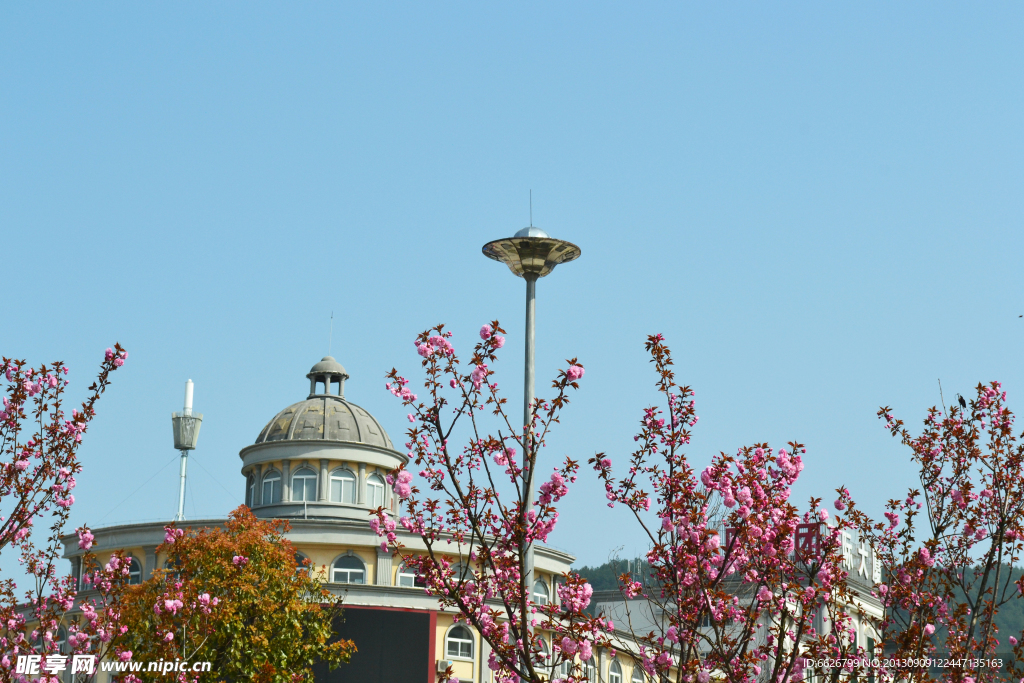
{"x":186,"y":426}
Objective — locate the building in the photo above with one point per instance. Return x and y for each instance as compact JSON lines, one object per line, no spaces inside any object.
{"x":320,"y":463}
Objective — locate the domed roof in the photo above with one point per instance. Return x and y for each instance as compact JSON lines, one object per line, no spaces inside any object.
{"x":325,"y":416}
{"x":327,"y":366}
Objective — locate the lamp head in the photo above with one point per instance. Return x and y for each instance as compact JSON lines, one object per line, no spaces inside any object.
{"x":531,"y":253}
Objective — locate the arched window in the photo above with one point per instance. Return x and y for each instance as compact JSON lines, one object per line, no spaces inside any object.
{"x":540,"y":592}
{"x":172,"y":569}
{"x":565,"y":668}
{"x":250,"y":491}
{"x":304,"y":485}
{"x":638,"y":674}
{"x":301,"y":564}
{"x":615,"y":672}
{"x":135,"y":571}
{"x":343,"y":486}
{"x":554,"y":593}
{"x":348,"y":569}
{"x":61,"y":641}
{"x":590,"y":669}
{"x":374,"y":491}
{"x":272,"y":488}
{"x":408,"y":578}
{"x":459,"y":643}
{"x":461,"y":572}
{"x":545,"y":652}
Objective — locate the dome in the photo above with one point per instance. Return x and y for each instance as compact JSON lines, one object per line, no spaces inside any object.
{"x":325,"y":415}
{"x":325,"y":418}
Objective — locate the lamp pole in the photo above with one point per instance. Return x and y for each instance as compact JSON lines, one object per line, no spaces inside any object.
{"x":530,"y":254}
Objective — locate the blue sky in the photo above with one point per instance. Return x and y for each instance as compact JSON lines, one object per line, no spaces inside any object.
{"x":819,"y":205}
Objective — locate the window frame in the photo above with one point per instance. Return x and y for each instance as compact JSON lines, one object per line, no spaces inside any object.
{"x":449,"y":638}
{"x":546,"y":596}
{"x":134,"y":575}
{"x":304,"y":474}
{"x":336,"y":569}
{"x":342,"y":474}
{"x":638,"y":675}
{"x":417,"y":580}
{"x":376,"y":481}
{"x":273,"y":477}
{"x":615,"y":672}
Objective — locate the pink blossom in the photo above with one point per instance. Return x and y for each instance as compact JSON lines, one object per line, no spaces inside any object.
{"x":108,"y":354}
{"x":479,"y":375}
{"x":929,"y":629}
{"x":240,"y":560}
{"x":499,"y":341}
{"x":85,"y":539}
{"x":485,"y":332}
{"x":169,"y":637}
{"x":574,"y":372}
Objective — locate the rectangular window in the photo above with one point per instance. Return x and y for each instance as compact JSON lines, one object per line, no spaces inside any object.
{"x":304,"y":489}
{"x":375,"y":494}
{"x":348,"y":576}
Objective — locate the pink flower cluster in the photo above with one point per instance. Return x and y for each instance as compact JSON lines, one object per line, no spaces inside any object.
{"x":171,"y":534}
{"x":487,"y":333}
{"x":553,"y":490}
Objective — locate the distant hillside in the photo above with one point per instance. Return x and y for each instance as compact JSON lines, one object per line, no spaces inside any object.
{"x":605,"y":577}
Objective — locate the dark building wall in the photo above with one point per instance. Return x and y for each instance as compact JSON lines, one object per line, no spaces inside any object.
{"x":394,"y":646}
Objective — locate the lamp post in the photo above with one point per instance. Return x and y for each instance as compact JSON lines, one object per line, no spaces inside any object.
{"x":530,"y":254}
{"x":186,"y":426}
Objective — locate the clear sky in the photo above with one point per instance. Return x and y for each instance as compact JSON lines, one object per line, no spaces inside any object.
{"x":819,"y":205}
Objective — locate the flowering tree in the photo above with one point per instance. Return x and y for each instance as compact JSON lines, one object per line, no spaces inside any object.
{"x":39,"y":446}
{"x":478,"y":518}
{"x":951,"y":549}
{"x":738,"y":574}
{"x":236,"y":599}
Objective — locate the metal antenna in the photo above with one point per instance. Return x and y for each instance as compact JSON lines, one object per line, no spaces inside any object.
{"x":330,"y":339}
{"x":531,"y":208}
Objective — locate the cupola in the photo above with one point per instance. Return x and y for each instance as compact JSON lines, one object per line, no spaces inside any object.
{"x":325,"y":375}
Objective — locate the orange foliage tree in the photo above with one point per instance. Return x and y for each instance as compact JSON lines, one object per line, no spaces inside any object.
{"x":234,"y":597}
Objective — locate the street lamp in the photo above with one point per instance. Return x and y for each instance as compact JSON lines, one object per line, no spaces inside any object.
{"x":186,"y":426}
{"x":531,"y":254}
